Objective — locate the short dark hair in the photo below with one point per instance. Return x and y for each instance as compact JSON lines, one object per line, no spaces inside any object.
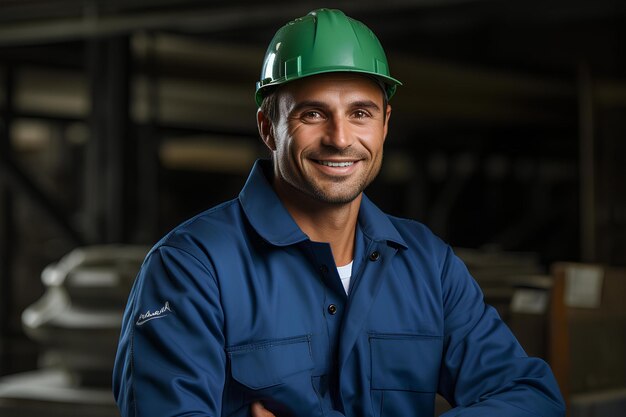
{"x":269,"y":106}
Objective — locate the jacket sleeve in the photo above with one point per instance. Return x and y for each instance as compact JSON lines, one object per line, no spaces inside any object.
{"x":485,"y":371}
{"x":171,"y":359}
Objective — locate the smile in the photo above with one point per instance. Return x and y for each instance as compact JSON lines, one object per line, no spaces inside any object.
{"x":336,"y":164}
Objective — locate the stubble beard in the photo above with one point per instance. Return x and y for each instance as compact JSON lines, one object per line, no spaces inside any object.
{"x":338,"y":193}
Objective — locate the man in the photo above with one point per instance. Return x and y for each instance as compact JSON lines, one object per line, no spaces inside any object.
{"x":300,"y":297}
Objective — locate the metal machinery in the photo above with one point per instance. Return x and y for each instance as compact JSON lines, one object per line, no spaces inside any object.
{"x":77,"y":322}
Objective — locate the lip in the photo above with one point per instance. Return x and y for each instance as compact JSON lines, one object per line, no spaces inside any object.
{"x":335,"y":162}
{"x":340,"y":170}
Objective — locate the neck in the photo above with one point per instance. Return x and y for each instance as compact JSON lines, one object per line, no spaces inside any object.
{"x":324,"y":222}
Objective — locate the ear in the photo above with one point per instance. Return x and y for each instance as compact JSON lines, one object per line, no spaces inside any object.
{"x":265,"y":130}
{"x":386,"y":125}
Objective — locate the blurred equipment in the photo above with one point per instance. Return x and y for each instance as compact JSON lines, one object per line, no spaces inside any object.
{"x":77,"y":322}
{"x":517,"y":286}
{"x":589,"y":338}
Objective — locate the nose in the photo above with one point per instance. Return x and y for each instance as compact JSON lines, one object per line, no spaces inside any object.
{"x":338,"y":134}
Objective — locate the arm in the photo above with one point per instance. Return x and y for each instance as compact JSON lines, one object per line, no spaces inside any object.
{"x":171,"y":359}
{"x":484,"y":370}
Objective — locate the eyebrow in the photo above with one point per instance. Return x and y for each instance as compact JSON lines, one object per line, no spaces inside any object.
{"x":367,"y":104}
{"x":308,"y":104}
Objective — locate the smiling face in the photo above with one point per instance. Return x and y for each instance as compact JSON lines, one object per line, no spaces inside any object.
{"x":327,"y":142}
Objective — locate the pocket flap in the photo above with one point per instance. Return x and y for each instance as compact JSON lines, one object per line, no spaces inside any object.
{"x":409,"y":363}
{"x":265,"y":364}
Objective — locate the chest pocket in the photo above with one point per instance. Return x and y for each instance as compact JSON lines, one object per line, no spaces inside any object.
{"x":270,"y":363}
{"x":405,"y":373}
{"x":277,"y":372}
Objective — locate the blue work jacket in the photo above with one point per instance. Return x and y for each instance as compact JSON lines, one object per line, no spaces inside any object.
{"x":238,"y":305}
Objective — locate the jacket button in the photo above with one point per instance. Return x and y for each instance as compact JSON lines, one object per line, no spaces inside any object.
{"x":332,"y":309}
{"x":374,"y":256}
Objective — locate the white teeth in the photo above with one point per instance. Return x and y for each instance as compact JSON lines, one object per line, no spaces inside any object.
{"x":336,"y":164}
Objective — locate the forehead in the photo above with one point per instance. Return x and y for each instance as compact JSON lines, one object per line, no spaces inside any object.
{"x":335,"y":84}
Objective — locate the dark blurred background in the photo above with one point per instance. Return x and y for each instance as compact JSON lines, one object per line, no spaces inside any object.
{"x":119,"y":119}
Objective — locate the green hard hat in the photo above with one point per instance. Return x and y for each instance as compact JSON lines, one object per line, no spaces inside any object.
{"x":323,"y":41}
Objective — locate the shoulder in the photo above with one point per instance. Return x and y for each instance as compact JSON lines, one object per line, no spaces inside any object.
{"x":417,"y":235}
{"x":199,"y":236}
{"x":426,"y":248}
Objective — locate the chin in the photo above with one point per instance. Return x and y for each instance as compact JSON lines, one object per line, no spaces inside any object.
{"x":338,"y":199}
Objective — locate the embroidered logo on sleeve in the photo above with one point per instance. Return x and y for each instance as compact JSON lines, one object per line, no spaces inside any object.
{"x":156,"y":314}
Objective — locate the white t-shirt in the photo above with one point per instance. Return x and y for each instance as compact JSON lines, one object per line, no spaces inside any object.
{"x":345,"y":273}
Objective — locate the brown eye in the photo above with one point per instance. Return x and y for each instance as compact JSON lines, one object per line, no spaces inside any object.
{"x":312,"y":114}
{"x":360,"y":114}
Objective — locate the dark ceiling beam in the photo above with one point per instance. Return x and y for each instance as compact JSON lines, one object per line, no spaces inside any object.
{"x":194,"y":20}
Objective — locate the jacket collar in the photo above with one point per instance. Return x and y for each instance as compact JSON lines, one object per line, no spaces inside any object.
{"x":376,"y":225}
{"x":269,"y":217}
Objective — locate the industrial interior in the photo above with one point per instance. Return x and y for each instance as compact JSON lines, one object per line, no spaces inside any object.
{"x":120,"y":119}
